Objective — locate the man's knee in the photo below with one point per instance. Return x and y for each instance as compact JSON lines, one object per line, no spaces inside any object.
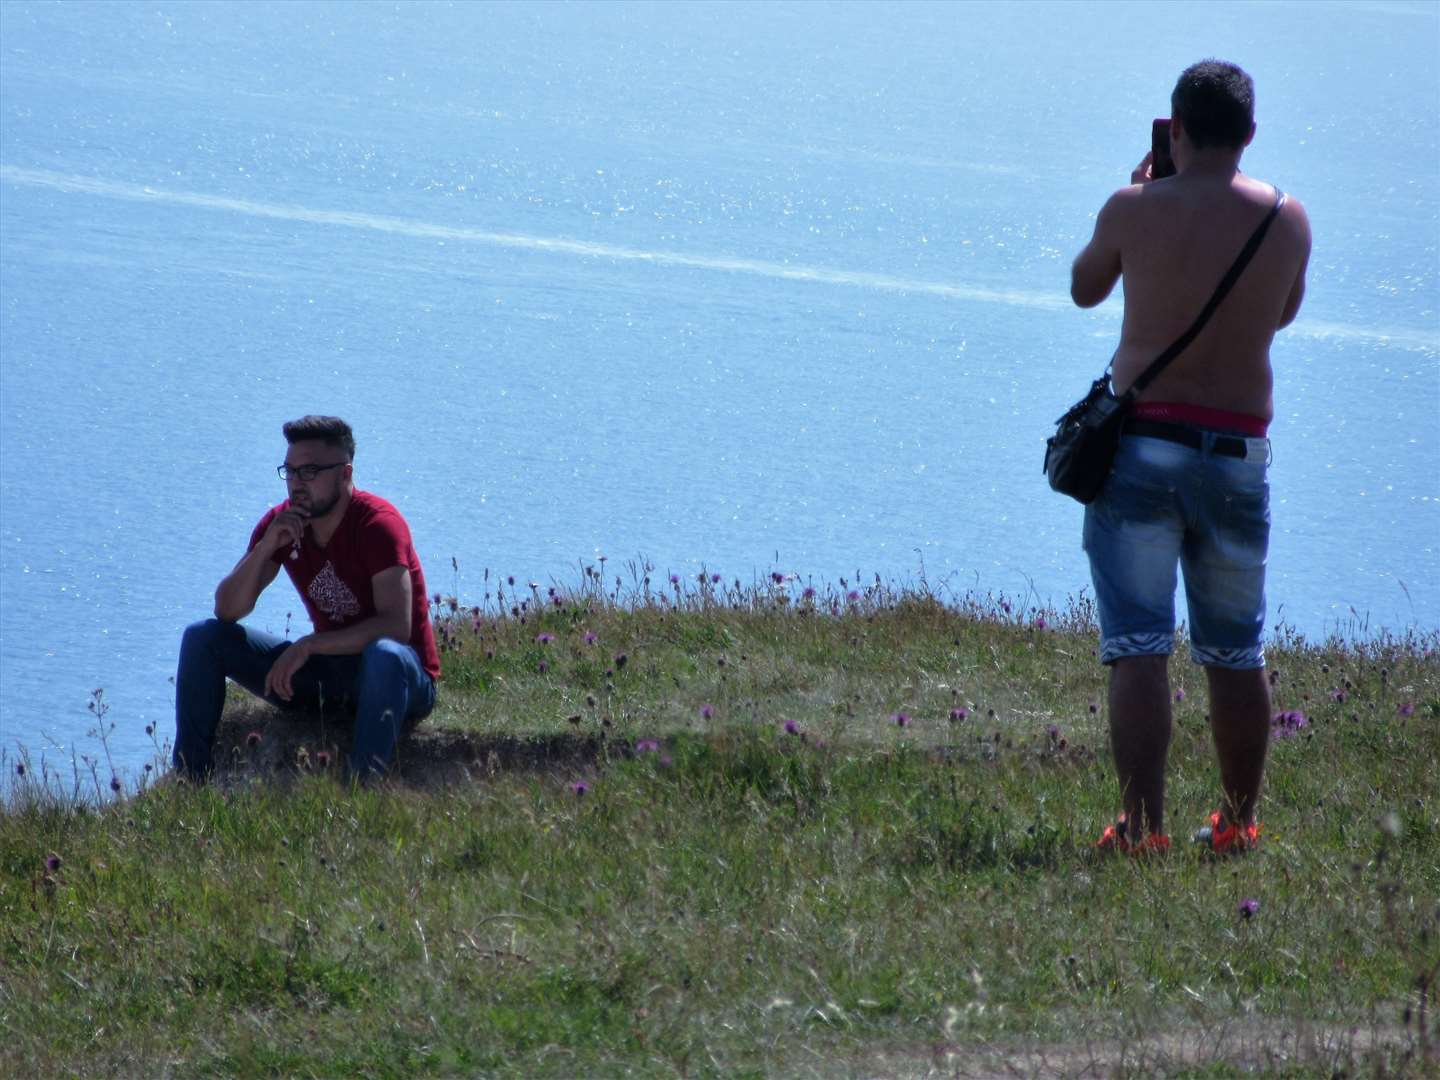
{"x":384,"y":658}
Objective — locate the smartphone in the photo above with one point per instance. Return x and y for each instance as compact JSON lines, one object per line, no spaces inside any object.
{"x":1161,"y":163}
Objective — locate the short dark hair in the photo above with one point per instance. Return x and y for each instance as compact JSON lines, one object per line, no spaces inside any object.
{"x":330,"y":430}
{"x":1215,"y":102}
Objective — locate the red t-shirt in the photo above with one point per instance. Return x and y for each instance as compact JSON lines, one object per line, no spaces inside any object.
{"x":334,"y":582}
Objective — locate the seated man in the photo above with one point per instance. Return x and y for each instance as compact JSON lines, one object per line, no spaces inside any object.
{"x":1189,"y":483}
{"x":349,"y":556}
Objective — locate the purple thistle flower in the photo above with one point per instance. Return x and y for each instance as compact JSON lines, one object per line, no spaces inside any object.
{"x":777,"y":577}
{"x":1248,"y":908}
{"x":707,"y":712}
{"x":1053,"y":732}
{"x":900,"y":719}
{"x":1406,"y":708}
{"x":149,"y":729}
{"x":52,"y":863}
{"x":1094,"y":708}
{"x":591,"y":637}
{"x":322,"y":759}
{"x":20,"y":768}
{"x":792,"y":728}
{"x":543,"y":667}
{"x":558,"y":600}
{"x":1180,"y":694}
{"x":666,"y":761}
{"x":621,"y":660}
{"x":1040,"y":622}
{"x":809,"y":593}
{"x":959,"y":713}
{"x":580,"y":787}
{"x":853,"y":596}
{"x":1287,"y":723}
{"x":544,"y":639}
{"x":115,"y":783}
{"x":647,"y":746}
{"x":675,"y":580}
{"x":510,"y":580}
{"x":714,"y":579}
{"x":252,"y":740}
{"x":1337,"y":694}
{"x":489,"y":654}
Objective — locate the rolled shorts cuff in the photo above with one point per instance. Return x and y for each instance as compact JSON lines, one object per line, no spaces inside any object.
{"x":1123,"y":645}
{"x":1246,"y":658}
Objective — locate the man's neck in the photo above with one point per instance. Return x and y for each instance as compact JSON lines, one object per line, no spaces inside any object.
{"x":323,"y":528}
{"x":1213,"y":164}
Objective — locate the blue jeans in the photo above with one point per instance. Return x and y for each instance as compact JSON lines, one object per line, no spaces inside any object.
{"x":1167,"y":505}
{"x":385,"y":687}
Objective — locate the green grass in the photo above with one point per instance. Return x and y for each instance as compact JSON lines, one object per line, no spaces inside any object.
{"x":858,"y":898}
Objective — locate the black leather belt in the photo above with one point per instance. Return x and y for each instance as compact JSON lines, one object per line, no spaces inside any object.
{"x":1227,"y":445}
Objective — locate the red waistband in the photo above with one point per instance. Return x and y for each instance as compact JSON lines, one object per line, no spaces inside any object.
{"x":1179,"y":412}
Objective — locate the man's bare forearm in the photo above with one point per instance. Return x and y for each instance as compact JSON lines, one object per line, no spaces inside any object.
{"x":236,"y":594}
{"x":351,"y":640}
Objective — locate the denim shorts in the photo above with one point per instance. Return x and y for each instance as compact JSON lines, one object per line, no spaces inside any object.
{"x":1167,"y":505}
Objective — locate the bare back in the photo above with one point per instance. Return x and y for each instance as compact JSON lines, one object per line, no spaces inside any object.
{"x":1176,"y":238}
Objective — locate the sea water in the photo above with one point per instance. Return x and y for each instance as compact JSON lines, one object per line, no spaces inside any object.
{"x":751,"y":287}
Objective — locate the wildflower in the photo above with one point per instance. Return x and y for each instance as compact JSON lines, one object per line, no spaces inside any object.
{"x":579,"y":788}
{"x":590,"y":700}
{"x":647,"y":746}
{"x":620,"y":660}
{"x":777,"y":577}
{"x":1094,"y":708}
{"x":1180,"y":694}
{"x":853,"y":596}
{"x":666,"y":761}
{"x":591,"y":637}
{"x":252,"y":740}
{"x":675,"y":580}
{"x":489,"y":654}
{"x":900,"y":719}
{"x":1248,"y":908}
{"x":792,"y":728}
{"x":52,"y":863}
{"x":707,"y":712}
{"x":544,"y":639}
{"x":149,"y":729}
{"x":1337,"y":695}
{"x":20,"y":769}
{"x":322,"y":759}
{"x":1406,"y":708}
{"x":1287,"y":723}
{"x":510,"y":580}
{"x":809,"y":593}
{"x":543,"y":667}
{"x":115,"y":783}
{"x":1040,"y":622}
{"x":714,"y":579}
{"x":1053,"y":732}
{"x":558,"y":600}
{"x":959,"y":713}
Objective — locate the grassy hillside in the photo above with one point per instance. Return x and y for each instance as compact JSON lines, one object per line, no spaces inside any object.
{"x":706,"y":830}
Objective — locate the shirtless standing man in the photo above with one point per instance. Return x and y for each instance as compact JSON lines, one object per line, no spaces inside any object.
{"x":1189,"y":482}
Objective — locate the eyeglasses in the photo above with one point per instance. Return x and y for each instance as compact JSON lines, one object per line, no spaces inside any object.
{"x":305,"y":472}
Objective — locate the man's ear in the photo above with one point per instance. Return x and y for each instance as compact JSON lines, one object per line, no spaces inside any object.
{"x":1250,"y":136}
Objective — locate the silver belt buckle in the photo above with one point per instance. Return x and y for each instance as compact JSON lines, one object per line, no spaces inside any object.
{"x":1257,"y":450}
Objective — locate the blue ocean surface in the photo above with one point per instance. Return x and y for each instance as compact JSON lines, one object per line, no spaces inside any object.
{"x":751,"y":287}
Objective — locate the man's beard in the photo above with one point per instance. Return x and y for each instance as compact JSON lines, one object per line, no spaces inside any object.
{"x":312,"y":509}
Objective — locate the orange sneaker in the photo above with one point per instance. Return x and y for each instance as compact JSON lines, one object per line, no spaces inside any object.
{"x":1114,"y":839}
{"x":1231,"y":838}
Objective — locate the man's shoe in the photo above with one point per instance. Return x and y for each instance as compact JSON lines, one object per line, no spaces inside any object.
{"x":1231,"y":838}
{"x":1114,"y":839}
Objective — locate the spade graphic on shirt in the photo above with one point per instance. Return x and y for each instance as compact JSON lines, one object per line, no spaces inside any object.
{"x":333,"y":596}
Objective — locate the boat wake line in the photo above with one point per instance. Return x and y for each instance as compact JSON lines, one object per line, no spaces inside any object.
{"x":83,"y":185}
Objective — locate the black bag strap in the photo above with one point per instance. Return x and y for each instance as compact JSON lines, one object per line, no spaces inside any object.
{"x":1232,"y":275}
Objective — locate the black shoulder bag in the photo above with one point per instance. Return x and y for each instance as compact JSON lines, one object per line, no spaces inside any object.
{"x":1079,"y":455}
